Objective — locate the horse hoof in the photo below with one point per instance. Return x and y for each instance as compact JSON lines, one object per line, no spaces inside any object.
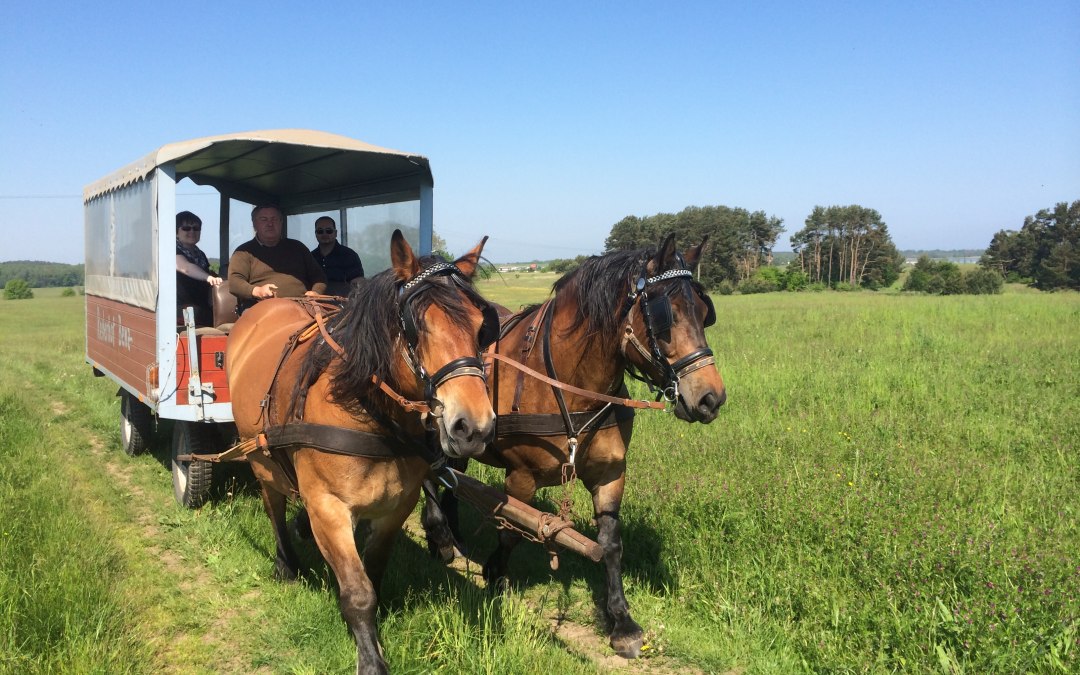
{"x":444,"y":553}
{"x":628,"y":645}
{"x":283,"y":572}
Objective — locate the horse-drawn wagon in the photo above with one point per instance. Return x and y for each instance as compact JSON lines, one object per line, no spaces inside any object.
{"x":323,"y":429}
{"x":135,"y":336}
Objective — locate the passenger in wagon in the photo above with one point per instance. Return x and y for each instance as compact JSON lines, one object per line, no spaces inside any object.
{"x":272,"y":265}
{"x":340,"y":262}
{"x":193,"y":276}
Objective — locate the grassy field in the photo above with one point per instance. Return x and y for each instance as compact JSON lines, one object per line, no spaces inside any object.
{"x":891,"y":487}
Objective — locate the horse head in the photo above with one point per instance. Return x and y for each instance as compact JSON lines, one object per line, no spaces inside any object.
{"x":445,"y":324}
{"x":672,"y":310}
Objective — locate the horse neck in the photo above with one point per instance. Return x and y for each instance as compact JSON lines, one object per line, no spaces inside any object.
{"x":594,"y":364}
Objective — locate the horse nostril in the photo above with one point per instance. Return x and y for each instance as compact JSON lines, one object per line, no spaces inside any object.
{"x":461,"y":429}
{"x":711,"y":402}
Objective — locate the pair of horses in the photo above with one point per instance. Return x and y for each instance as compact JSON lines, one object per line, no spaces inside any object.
{"x":351,"y":416}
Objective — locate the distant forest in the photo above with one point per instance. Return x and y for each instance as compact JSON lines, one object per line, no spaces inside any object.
{"x":38,"y":274}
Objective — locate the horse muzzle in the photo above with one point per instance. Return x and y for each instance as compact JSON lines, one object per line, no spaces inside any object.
{"x":464,"y":435}
{"x":703,"y":408}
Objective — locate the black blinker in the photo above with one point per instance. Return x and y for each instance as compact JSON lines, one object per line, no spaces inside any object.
{"x":489,"y":330}
{"x":659,"y":312}
{"x":710,"y":310}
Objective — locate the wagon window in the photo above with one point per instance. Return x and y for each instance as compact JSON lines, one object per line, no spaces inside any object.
{"x":370,"y":227}
{"x":120,"y":236}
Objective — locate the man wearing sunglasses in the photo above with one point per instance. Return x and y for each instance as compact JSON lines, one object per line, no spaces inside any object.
{"x":340,"y":262}
{"x":271,"y":265}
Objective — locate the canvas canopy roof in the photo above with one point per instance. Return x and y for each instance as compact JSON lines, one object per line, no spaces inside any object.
{"x":298,"y":169}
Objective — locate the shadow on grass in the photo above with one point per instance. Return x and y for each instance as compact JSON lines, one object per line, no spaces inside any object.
{"x":227,"y":478}
{"x":530,"y":564}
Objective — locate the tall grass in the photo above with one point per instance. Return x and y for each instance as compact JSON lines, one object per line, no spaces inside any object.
{"x":890,"y":487}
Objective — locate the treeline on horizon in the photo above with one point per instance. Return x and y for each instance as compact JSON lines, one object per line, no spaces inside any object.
{"x":39,"y":274}
{"x":839,"y":247}
{"x":848,"y":248}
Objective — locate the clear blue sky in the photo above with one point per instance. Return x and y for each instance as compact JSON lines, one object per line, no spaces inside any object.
{"x":546,"y":123}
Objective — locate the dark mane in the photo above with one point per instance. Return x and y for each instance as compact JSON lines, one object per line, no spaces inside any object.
{"x":368,"y":328}
{"x":599,"y":288}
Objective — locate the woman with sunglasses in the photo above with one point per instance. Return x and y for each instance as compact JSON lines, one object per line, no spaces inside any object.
{"x":192,"y":270}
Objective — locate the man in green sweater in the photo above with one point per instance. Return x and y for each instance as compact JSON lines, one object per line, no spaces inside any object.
{"x":271,"y":265}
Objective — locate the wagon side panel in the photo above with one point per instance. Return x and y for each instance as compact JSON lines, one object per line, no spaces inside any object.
{"x":120,"y":341}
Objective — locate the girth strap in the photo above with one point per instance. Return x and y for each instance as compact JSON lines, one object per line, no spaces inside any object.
{"x":326,"y":438}
{"x":552,"y":424}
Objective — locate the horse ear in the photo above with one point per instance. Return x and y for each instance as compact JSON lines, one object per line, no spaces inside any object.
{"x":469,"y":262}
{"x":693,"y":254}
{"x":665,"y":256}
{"x":405,"y":263}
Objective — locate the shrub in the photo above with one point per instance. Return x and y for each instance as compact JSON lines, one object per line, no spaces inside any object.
{"x":983,"y":282}
{"x":796,"y":281}
{"x":17,"y":289}
{"x":67,"y":293}
{"x":725,"y":288}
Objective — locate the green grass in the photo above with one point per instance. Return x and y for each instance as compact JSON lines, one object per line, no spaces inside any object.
{"x":890,"y":487}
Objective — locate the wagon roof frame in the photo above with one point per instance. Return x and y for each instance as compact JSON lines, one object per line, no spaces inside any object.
{"x":298,"y":169}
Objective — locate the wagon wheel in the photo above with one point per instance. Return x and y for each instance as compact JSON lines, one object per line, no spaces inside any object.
{"x":191,"y":479}
{"x":136,"y":424}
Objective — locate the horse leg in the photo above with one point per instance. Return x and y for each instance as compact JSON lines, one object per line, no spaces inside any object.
{"x":626,"y":635}
{"x":379,"y":543}
{"x":286,"y":564}
{"x":440,"y":519}
{"x":436,"y":523}
{"x":332,"y":525}
{"x":520,"y":484}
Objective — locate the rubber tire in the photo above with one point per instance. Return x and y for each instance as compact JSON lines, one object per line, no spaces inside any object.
{"x":191,"y":480}
{"x":136,"y":425}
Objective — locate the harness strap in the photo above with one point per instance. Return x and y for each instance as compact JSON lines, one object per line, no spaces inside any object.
{"x":552,"y":424}
{"x":526,"y":350}
{"x":628,"y":402}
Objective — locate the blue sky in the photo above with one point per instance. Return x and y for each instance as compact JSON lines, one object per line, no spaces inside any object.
{"x":546,"y":123}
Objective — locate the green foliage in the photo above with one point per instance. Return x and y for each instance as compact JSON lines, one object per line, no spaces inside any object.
{"x":67,"y":292}
{"x":740,"y":242}
{"x":41,"y":274}
{"x":941,"y":277}
{"x":795,"y":280}
{"x":983,"y":282}
{"x":860,"y":505}
{"x":765,"y":280}
{"x":17,"y":289}
{"x":1046,"y":250}
{"x":564,"y":265}
{"x":847,"y":244}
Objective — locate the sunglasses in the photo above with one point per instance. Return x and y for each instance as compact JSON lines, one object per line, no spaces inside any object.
{"x":324,"y":231}
{"x":189,"y":228}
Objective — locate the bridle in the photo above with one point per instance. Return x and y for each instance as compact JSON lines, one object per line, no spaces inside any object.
{"x":656,"y":315}
{"x":465,"y":366}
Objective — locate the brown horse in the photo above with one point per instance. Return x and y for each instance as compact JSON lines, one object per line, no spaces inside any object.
{"x":635,"y":311}
{"x":359,"y":454}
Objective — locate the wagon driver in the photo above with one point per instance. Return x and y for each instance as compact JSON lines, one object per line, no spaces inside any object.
{"x":272,"y":265}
